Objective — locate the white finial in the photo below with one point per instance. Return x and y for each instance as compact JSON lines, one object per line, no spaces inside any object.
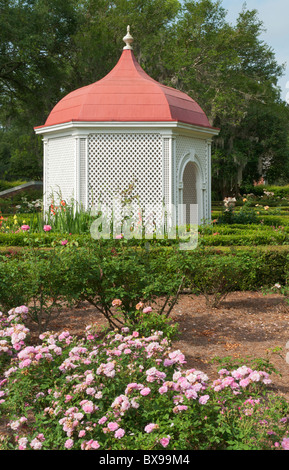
{"x":128,"y":39}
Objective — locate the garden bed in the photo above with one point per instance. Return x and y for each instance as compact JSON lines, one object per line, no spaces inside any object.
{"x":246,"y":326}
{"x":247,"y":333}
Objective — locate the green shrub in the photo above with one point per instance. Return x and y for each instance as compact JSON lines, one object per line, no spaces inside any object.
{"x":4,"y":185}
{"x":98,"y":273}
{"x":124,"y":391}
{"x":52,"y":277}
{"x":128,"y":273}
{"x":245,"y":215}
{"x":215,"y":276}
{"x":279,"y":191}
{"x":40,"y":280}
{"x":246,"y":239}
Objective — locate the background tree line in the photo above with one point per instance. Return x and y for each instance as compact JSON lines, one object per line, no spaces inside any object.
{"x":51,"y":47}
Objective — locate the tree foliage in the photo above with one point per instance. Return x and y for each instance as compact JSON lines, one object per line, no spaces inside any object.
{"x":51,"y":47}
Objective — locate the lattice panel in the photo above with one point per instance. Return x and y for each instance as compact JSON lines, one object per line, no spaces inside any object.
{"x":83,"y":173}
{"x":60,"y":168}
{"x":166,"y":170}
{"x":118,"y":160}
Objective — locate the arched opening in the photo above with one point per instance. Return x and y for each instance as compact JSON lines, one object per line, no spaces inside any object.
{"x":190,"y":188}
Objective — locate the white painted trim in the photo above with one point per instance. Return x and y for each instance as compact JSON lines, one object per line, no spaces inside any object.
{"x":86,"y":173}
{"x":88,"y":127}
{"x":200,"y":182}
{"x":174,"y":171}
{"x":170,"y":172}
{"x":209,"y":143}
{"x":76,"y":172}
{"x":45,"y":145}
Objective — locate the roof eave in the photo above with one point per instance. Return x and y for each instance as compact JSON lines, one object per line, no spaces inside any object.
{"x":83,"y":125}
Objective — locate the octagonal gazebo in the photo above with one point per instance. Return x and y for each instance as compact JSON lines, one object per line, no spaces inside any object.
{"x":128,"y":128}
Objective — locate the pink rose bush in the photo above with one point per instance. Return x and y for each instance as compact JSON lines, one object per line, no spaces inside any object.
{"x":123,"y":390}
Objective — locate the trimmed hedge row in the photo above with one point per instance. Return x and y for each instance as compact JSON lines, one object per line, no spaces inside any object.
{"x":226,"y":235}
{"x":49,"y":279}
{"x":279,"y":191}
{"x":265,"y":219}
{"x":10,"y":184}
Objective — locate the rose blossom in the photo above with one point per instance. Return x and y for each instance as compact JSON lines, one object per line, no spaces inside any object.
{"x":150,"y":427}
{"x":68,"y":444}
{"x":112,"y":426}
{"x":147,"y":310}
{"x":119,"y":433}
{"x":102,"y":420}
{"x":285,"y":443}
{"x":165,"y":441}
{"x":203,"y":400}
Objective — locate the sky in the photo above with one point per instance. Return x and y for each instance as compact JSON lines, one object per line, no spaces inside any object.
{"x":275,"y":17}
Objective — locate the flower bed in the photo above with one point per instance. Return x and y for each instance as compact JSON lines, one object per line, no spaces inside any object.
{"x":127,"y":389}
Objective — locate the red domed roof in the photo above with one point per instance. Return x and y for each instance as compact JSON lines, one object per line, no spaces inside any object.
{"x":127,"y":94}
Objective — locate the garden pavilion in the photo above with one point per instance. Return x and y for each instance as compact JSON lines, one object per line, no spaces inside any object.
{"x":129,"y":129}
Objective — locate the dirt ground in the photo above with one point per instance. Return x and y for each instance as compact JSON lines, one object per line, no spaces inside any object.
{"x":246,"y":325}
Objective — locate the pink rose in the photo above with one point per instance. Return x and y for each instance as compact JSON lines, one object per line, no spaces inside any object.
{"x":150,"y":427}
{"x":87,"y":406}
{"x":25,"y":228}
{"x":112,"y":426}
{"x":102,"y":420}
{"x":203,"y":400}
{"x":285,"y":443}
{"x":47,"y":228}
{"x":147,"y":310}
{"x":119,"y":433}
{"x":68,"y":444}
{"x":64,"y":242}
{"x":165,"y":441}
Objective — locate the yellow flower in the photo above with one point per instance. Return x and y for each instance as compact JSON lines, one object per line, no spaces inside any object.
{"x":244,"y":200}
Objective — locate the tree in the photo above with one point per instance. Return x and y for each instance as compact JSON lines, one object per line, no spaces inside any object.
{"x":233,"y":75}
{"x":51,"y":47}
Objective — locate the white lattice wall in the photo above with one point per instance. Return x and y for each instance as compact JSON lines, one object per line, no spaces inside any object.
{"x":97,"y":166}
{"x":117,"y":160}
{"x":83,"y":173}
{"x":60,"y":168}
